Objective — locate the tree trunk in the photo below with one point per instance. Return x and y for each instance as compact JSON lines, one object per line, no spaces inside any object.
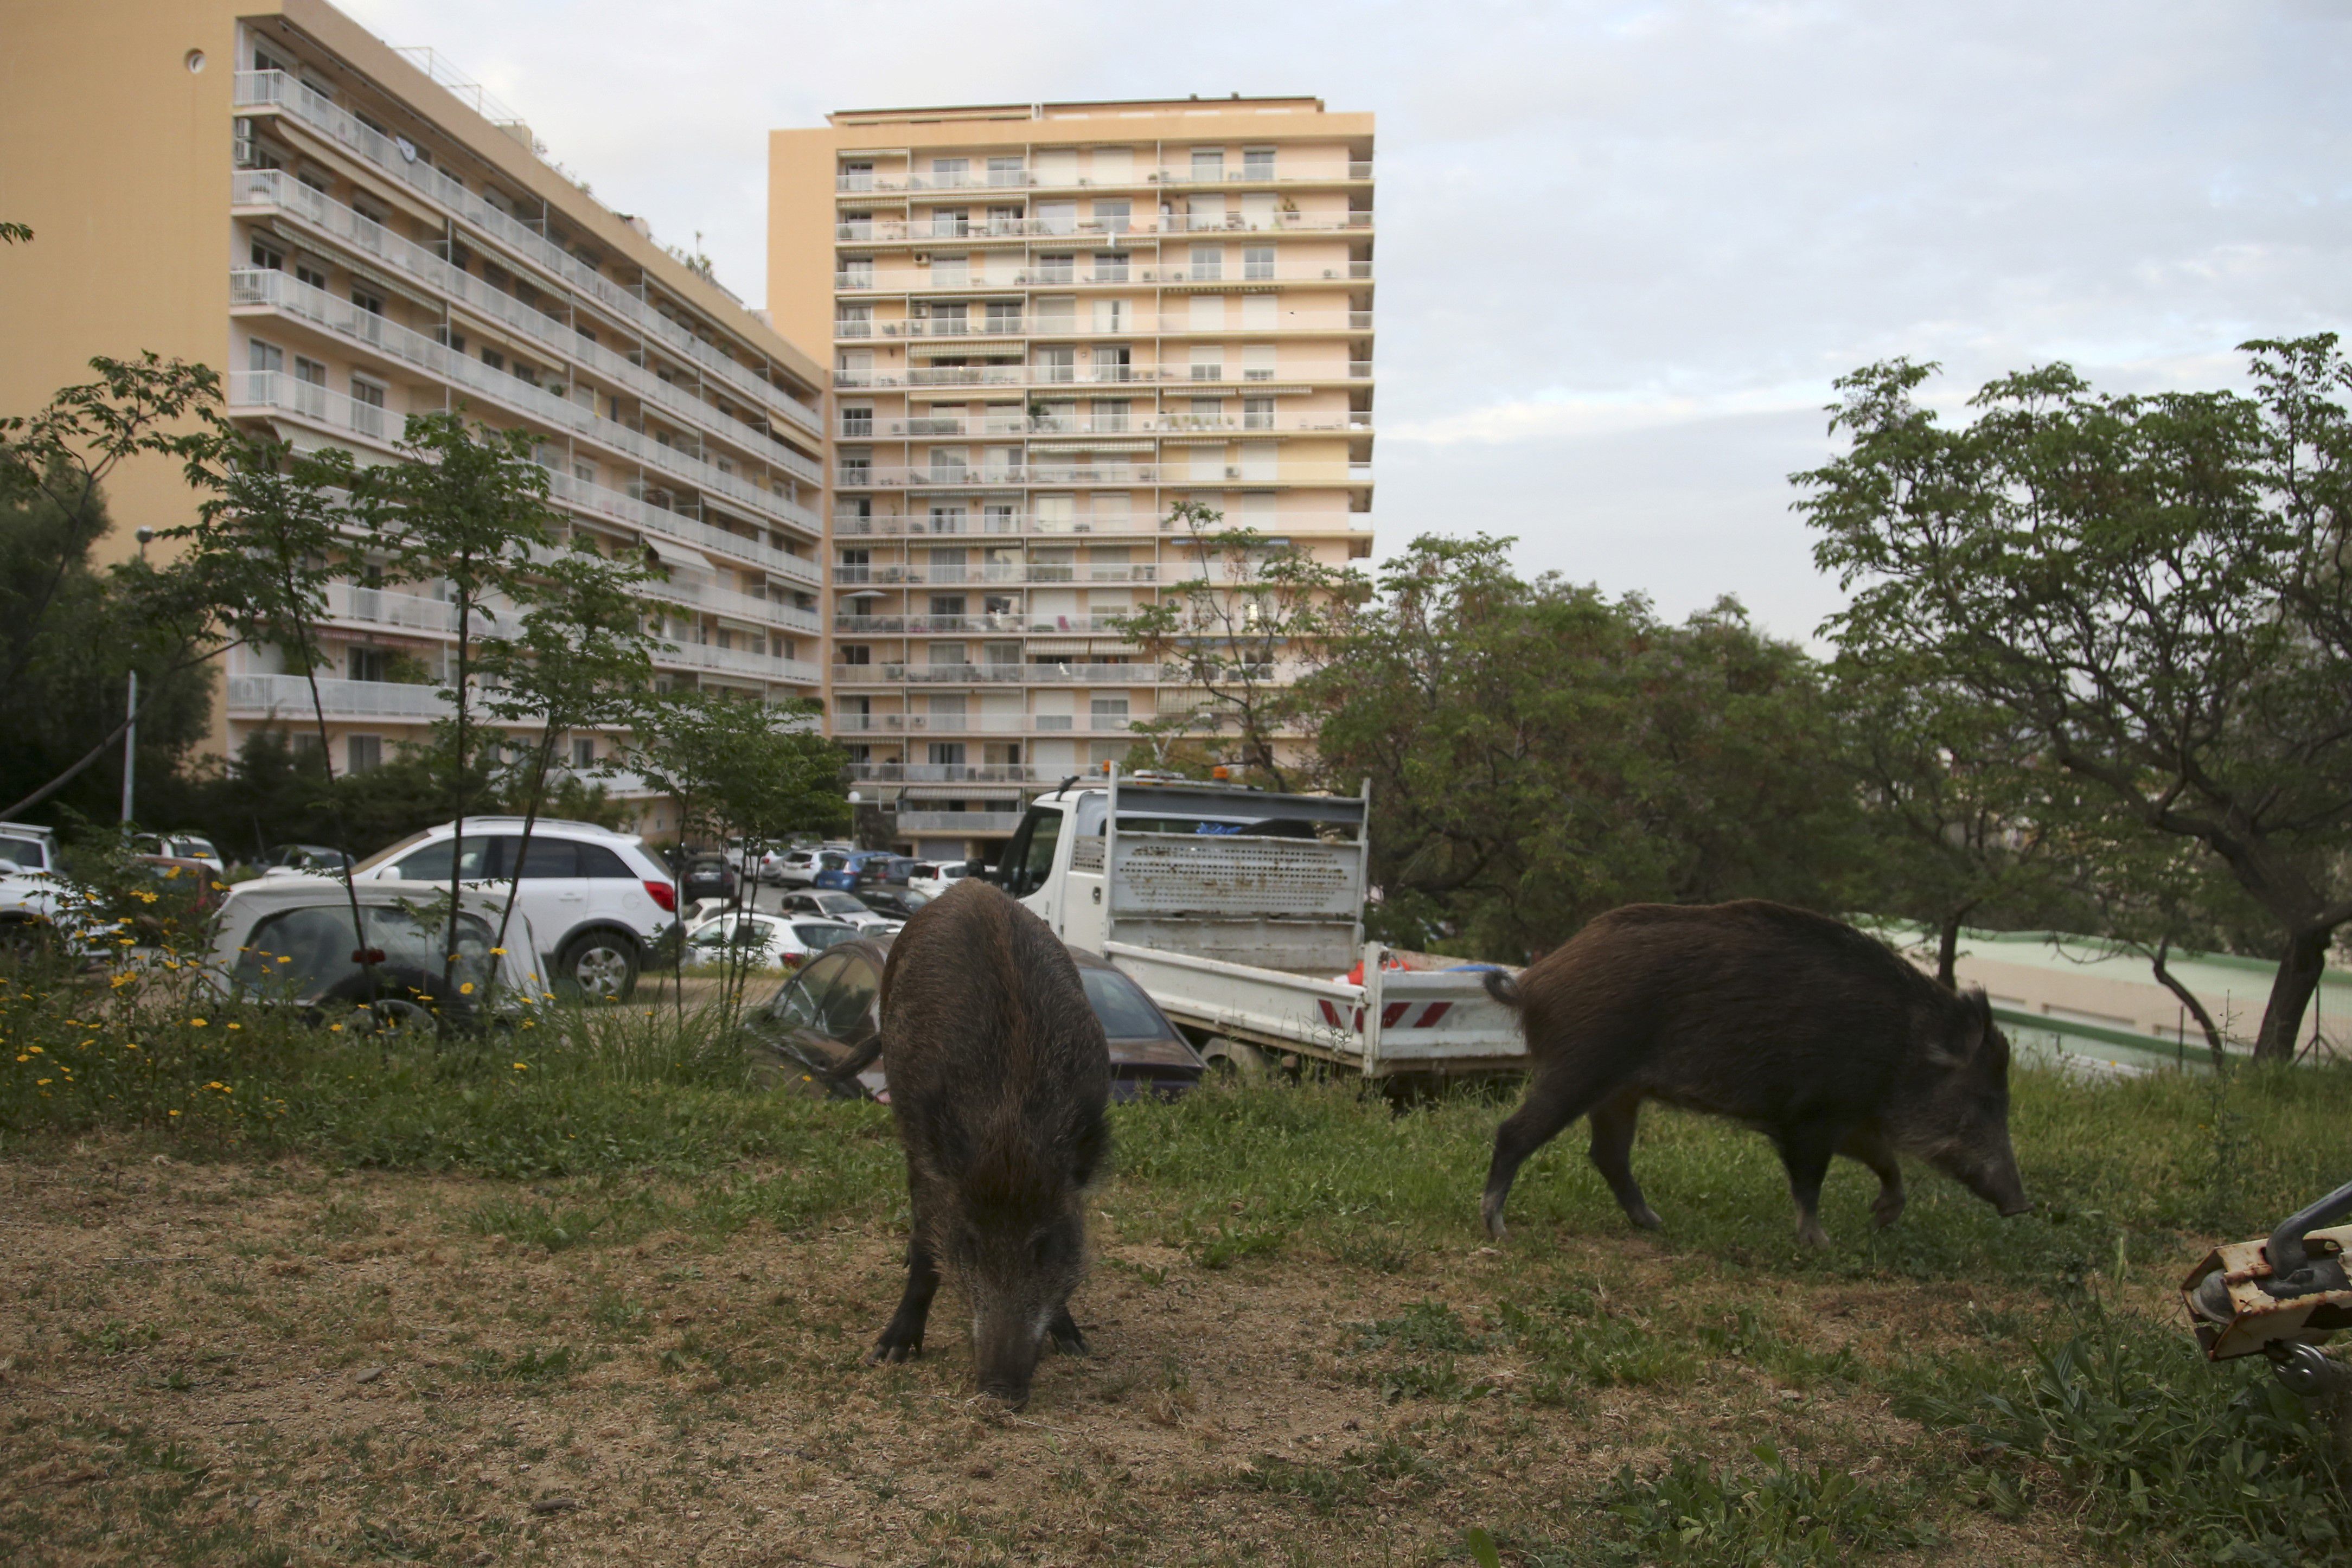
{"x":2165,"y":978}
{"x":2300,"y":966}
{"x":1948,"y":952}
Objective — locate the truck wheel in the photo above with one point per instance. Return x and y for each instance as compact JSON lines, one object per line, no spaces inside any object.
{"x":602,"y":966}
{"x":1231,"y":1062}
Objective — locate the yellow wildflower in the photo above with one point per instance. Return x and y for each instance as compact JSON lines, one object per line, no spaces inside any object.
{"x":520,"y":1067}
{"x":236,"y":1026}
{"x":34,"y":1048}
{"x":286,"y":959}
{"x":334,"y":1029}
{"x":24,"y":1059}
{"x":465,"y":987}
{"x":172,"y":1113}
{"x":173,"y":875}
{"x":498,"y":952}
{"x":198,"y":1023}
{"x":45,"y":1082}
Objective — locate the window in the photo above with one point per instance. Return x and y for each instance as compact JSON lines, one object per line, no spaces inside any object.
{"x":367,"y":407}
{"x":1114,"y":363}
{"x":493,"y":359}
{"x":1004,"y":220}
{"x":597,"y":861}
{"x":267,"y":258}
{"x":1057,"y":217}
{"x":950,"y":223}
{"x":856,"y":174}
{"x":858,"y":226}
{"x":1208,"y":363}
{"x":1057,"y":364}
{"x":1257,"y":162}
{"x":309,"y":272}
{"x":1257,"y":413}
{"x":371,"y":303}
{"x":858,"y":422}
{"x":853,"y":321}
{"x":946,"y":172}
{"x":857,"y":272}
{"x":946,"y":753}
{"x":1111,"y":416}
{"x":1057,"y":268}
{"x":1112,"y":216}
{"x":1110,"y":266}
{"x":947,"y":606}
{"x":371,"y":664}
{"x":362,"y":752}
{"x":1208,"y":163}
{"x":1258,"y":262}
{"x":545,"y":858}
{"x":263,"y":359}
{"x":1029,"y":858}
{"x":584,"y":753}
{"x":1120,"y":1005}
{"x":475,"y":859}
{"x":1257,"y":361}
{"x":1111,"y":316}
{"x":952,"y":271}
{"x":1208,"y":263}
{"x":856,"y":653}
{"x":1006,"y":172}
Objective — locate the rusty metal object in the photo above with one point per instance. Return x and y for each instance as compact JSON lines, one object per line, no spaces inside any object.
{"x":2233,"y":1312}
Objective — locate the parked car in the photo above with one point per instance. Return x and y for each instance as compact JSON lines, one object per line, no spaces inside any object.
{"x":932,"y":878}
{"x":885,"y":871}
{"x":823,"y":1021}
{"x":710,"y":876}
{"x":193,"y":880}
{"x":801,"y":867}
{"x":773,"y":943}
{"x":181,"y":846}
{"x":601,"y":905}
{"x":289,"y":940}
{"x":843,"y":876}
{"x":28,"y":847}
{"x":891,"y":902}
{"x":311,"y":858}
{"x":849,"y":908}
{"x":31,"y":900}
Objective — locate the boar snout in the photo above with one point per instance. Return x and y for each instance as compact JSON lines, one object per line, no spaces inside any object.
{"x":1993,"y":1177}
{"x":1005,"y":1348}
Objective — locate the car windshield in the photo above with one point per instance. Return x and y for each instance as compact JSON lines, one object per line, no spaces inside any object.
{"x":30,"y":853}
{"x":841,"y":903}
{"x":394,"y":851}
{"x":1125,"y":1012}
{"x":816,"y":938}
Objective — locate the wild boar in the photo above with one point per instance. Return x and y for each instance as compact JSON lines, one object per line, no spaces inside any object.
{"x":1801,"y":1026}
{"x":998,"y":1073}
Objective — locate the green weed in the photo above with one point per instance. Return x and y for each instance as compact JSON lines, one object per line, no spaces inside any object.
{"x":1776,"y":1515}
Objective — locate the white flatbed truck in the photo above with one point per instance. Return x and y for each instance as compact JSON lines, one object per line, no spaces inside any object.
{"x":1241,"y":914}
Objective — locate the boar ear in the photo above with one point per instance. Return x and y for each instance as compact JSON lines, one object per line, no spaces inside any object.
{"x":1969,"y":1032}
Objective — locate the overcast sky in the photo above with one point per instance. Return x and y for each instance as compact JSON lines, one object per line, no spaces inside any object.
{"x":1623,"y":249}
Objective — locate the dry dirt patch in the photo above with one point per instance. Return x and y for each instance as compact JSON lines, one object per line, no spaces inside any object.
{"x":271,"y":1364}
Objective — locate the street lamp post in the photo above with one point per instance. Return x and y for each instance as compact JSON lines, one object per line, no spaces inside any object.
{"x":131,"y":710}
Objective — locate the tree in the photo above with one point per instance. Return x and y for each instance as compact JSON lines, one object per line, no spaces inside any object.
{"x":1965,"y":823}
{"x":740,"y":769}
{"x":1538,"y":753}
{"x":1253,"y":615}
{"x":2149,"y":587}
{"x":53,"y":468}
{"x":581,"y":658}
{"x":464,"y":505}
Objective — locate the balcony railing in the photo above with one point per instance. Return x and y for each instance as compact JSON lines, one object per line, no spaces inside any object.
{"x":1011,"y":571}
{"x":1123,"y":325}
{"x":258,"y":287}
{"x":958,"y":821}
{"x":965,"y":525}
{"x":1056,"y":474}
{"x":1003,"y":623}
{"x":274,"y":190}
{"x":1097,"y":375}
{"x":1033,"y":675}
{"x":990,"y":427}
{"x":888,"y":724}
{"x":736,"y":661}
{"x":736,"y":606}
{"x":275,"y":89}
{"x":289,"y":696}
{"x":1145,"y":226}
{"x":385,"y":607}
{"x":1001,"y":273}
{"x":1280,"y":173}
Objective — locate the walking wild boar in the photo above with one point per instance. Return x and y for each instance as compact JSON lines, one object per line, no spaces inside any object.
{"x":1798,"y":1025}
{"x":998,"y":1076}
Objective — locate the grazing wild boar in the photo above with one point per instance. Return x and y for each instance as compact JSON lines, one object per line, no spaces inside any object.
{"x":998,"y":1075}
{"x":1801,"y":1026}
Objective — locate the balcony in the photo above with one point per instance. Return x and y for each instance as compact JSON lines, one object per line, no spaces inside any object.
{"x":643,"y":516}
{"x":741,"y":661}
{"x":276,"y":90}
{"x":998,"y":427}
{"x":958,"y":821}
{"x":1034,"y":674}
{"x":1125,"y":324}
{"x":892,"y":723}
{"x":272,"y":191}
{"x":1045,"y":572}
{"x":1279,"y":173}
{"x":1015,"y":375}
{"x":259,"y":288}
{"x":954,"y":773}
{"x":348,"y":601}
{"x":999,"y":274}
{"x":289,"y":697}
{"x":1050,"y":475}
{"x":734,"y":606}
{"x":1002,"y":624}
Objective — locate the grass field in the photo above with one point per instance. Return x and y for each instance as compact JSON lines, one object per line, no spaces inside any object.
{"x":599,"y":1290}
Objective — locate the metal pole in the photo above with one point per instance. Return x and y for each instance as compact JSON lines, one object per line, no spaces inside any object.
{"x":131,"y":748}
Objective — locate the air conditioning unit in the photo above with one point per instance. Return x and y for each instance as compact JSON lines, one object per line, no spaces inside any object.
{"x":922,"y":258}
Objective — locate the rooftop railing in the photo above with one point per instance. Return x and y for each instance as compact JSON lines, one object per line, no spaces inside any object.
{"x":275,"y":89}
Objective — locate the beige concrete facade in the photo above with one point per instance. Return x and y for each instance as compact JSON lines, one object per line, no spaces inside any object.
{"x":352,"y":234}
{"x":1051,"y":323}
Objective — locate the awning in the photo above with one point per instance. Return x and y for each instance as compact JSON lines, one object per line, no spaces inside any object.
{"x":1056,"y":645}
{"x":959,"y":793}
{"x":678,"y":557}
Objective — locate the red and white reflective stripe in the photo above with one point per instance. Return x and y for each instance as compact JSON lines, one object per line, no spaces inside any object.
{"x":1392,"y":1016}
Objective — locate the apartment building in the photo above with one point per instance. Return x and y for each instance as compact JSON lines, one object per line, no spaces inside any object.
{"x":1051,"y":323}
{"x":353,"y":233}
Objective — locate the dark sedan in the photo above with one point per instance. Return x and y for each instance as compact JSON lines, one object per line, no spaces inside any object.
{"x":823,"y":1022}
{"x":710,"y":876}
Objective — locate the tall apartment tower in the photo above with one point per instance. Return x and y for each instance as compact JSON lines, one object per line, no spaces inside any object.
{"x":352,"y":234}
{"x":1050,"y":324}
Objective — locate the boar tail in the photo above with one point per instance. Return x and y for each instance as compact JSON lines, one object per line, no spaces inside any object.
{"x":1501,"y":987}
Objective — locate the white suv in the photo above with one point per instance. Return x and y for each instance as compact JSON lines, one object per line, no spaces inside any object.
{"x":601,"y":905}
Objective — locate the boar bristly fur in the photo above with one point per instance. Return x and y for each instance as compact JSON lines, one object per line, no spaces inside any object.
{"x":1801,"y":1026}
{"x":999,"y":1074}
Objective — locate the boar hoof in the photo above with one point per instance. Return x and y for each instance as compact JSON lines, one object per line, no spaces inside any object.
{"x":1810,"y":1234}
{"x":1642,"y":1215}
{"x":1886,"y":1209}
{"x":1491,"y":1211}
{"x":894,"y":1347}
{"x":1066,"y":1335}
